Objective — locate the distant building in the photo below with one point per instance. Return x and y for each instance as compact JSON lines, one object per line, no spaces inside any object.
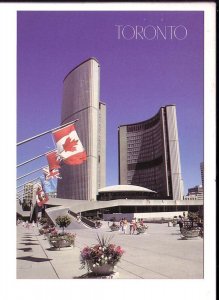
{"x":196,"y":191}
{"x":81,"y":100}
{"x":52,"y":194}
{"x":125,"y":192}
{"x":149,"y":154}
{"x":190,"y":197}
{"x":27,"y":196}
{"x":202,"y":172}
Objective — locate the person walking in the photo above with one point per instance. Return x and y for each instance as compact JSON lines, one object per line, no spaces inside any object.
{"x":121,"y":223}
{"x":125,"y":225}
{"x":132,"y":226}
{"x":180,"y":222}
{"x":27,"y":225}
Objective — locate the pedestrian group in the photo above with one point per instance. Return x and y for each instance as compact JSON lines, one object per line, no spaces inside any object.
{"x":131,"y":227}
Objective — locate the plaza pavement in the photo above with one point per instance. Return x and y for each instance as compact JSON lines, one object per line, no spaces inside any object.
{"x":161,"y":253}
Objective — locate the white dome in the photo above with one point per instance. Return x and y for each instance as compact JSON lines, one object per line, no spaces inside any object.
{"x":125,"y":188}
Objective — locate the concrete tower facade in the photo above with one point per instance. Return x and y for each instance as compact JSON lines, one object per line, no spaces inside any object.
{"x":81,"y":100}
{"x":202,"y":173}
{"x":149,"y":154}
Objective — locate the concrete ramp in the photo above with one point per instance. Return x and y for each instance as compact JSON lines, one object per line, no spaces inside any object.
{"x":21,"y":213}
{"x":54,"y":212}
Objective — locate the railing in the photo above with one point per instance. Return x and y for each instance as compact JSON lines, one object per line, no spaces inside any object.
{"x":83,"y":219}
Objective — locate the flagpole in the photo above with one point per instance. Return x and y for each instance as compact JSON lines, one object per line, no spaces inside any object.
{"x":48,"y":131}
{"x":35,"y":179}
{"x":31,"y":172}
{"x":24,"y":194}
{"x":20,"y":191}
{"x":34,"y":158}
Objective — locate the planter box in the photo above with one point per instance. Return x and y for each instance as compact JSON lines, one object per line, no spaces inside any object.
{"x":141,"y":229}
{"x":103,"y":270}
{"x":190,"y":233}
{"x":60,"y":243}
{"x":114,"y":228}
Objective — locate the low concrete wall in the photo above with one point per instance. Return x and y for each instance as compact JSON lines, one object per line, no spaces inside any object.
{"x":145,"y":216}
{"x":83,"y":219}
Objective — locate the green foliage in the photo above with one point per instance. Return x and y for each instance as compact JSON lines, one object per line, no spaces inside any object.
{"x":70,"y":237}
{"x":43,"y":221}
{"x":63,"y":221}
{"x":193,"y":216}
{"x":26,"y":206}
{"x":104,"y":241}
{"x":59,"y":240}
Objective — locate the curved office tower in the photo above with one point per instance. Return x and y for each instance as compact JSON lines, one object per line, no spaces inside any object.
{"x":149,"y":154}
{"x":81,"y":101}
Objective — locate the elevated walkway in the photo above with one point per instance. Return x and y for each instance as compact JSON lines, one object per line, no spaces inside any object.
{"x":54,"y":212}
{"x":78,"y":206}
{"x":22,"y":213}
{"x":57,"y":206}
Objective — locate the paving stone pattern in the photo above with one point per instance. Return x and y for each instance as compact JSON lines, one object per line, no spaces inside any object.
{"x":160,"y":253}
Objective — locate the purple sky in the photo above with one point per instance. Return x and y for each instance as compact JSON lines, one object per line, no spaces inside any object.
{"x":137,"y":77}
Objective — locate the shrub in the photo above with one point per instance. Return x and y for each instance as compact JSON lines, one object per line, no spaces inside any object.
{"x":63,"y":221}
{"x":44,"y":221}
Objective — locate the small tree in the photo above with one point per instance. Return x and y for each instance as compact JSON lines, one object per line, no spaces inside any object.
{"x":63,"y":222}
{"x":193,"y":217}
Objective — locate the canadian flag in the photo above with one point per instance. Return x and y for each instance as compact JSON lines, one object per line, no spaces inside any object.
{"x":41,"y":197}
{"x":69,"y":146}
{"x":53,"y":160}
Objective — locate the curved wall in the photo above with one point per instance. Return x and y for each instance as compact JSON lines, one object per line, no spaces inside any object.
{"x":149,"y":154}
{"x":81,"y":101}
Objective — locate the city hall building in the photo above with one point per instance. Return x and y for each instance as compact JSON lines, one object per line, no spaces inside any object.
{"x":149,"y":154}
{"x":81,"y":100}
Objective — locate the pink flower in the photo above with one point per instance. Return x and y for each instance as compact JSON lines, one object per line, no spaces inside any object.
{"x":119,"y":250}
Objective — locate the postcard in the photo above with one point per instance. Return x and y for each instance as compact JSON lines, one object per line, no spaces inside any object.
{"x":115,"y":112}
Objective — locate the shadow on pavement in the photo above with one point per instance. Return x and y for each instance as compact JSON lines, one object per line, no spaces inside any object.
{"x":34,"y":259}
{"x":52,"y":249}
{"x":29,"y":244}
{"x":28,"y":236}
{"x":57,"y":249}
{"x":189,"y":239}
{"x":26,"y":249}
{"x":92,"y":275}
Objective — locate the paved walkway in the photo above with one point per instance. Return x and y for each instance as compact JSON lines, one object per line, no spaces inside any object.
{"x":160,"y":253}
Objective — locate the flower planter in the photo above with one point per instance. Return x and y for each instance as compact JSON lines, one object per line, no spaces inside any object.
{"x":141,"y":229}
{"x":190,"y":233}
{"x":41,"y":231}
{"x":47,"y":234}
{"x":114,"y":228}
{"x":62,"y":243}
{"x":103,"y":270}
{"x":102,"y":257}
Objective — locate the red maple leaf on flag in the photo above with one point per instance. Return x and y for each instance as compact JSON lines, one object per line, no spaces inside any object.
{"x":69,"y":145}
